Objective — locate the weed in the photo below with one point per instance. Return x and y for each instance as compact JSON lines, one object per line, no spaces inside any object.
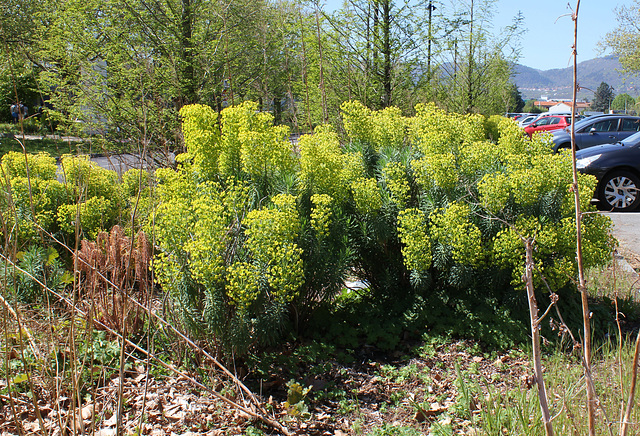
{"x":347,"y":406}
{"x":252,"y":431}
{"x":296,"y":397}
{"x":396,"y":397}
{"x":393,"y":430}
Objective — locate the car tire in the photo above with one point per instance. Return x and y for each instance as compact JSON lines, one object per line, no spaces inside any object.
{"x":619,"y":191}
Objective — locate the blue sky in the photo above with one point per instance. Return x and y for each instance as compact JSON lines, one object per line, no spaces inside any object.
{"x":547,"y":42}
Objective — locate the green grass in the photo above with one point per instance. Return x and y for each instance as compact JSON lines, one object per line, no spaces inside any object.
{"x":55,"y":147}
{"x":11,"y":138}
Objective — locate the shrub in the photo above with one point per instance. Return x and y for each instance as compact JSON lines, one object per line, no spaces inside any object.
{"x":423,"y":206}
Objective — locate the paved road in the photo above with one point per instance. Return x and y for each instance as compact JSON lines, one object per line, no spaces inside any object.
{"x":626,"y":227}
{"x":122,"y":162}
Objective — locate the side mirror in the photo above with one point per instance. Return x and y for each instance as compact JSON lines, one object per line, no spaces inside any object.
{"x":592,"y":131}
{"x":534,"y":125}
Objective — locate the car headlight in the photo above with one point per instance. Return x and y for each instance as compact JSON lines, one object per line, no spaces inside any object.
{"x":586,"y":161}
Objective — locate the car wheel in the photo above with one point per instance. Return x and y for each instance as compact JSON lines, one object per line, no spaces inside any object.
{"x":619,"y":191}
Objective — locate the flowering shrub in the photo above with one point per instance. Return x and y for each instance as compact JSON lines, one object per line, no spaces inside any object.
{"x":424,"y":205}
{"x":40,"y":199}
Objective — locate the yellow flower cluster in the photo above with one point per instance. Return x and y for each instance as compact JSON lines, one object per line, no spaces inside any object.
{"x":382,"y":129}
{"x":96,"y":214}
{"x":324,"y":167}
{"x":366,"y":195}
{"x":396,"y":179}
{"x":437,"y":169}
{"x":243,"y":284}
{"x":40,"y":166}
{"x":266,"y":151}
{"x":413,"y":233}
{"x":276,"y":258}
{"x":452,"y":227}
{"x":208,"y":240}
{"x":434,"y":131}
{"x":202,"y":138}
{"x":321,"y":214}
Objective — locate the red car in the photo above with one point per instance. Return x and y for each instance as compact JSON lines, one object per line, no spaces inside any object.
{"x":550,"y":122}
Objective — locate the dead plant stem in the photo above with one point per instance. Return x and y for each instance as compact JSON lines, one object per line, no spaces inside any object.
{"x":624,"y":427}
{"x":582,"y":287}
{"x":535,"y":339}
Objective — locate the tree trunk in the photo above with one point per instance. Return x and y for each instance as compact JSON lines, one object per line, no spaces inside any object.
{"x":186,"y":68}
{"x":386,"y":52}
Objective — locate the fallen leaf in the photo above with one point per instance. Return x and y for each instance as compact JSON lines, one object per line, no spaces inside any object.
{"x":87,"y":411}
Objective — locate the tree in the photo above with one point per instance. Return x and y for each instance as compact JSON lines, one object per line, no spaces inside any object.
{"x":373,"y":52}
{"x":513,"y":99}
{"x":623,"y":102}
{"x":124,"y":68}
{"x":530,"y":107}
{"x":625,"y":39}
{"x":479,"y":65}
{"x":603,"y":98}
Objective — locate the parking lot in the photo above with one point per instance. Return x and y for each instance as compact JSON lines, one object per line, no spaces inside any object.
{"x":627,"y":230}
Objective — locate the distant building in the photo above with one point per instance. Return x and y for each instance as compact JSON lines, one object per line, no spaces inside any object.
{"x":561,"y":106}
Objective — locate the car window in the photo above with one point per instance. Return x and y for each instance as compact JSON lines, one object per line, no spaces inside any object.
{"x":630,"y":125}
{"x":554,"y":120}
{"x":543,"y":121}
{"x":606,"y":126}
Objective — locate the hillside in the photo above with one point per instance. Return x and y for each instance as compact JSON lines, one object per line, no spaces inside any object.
{"x":556,"y":83}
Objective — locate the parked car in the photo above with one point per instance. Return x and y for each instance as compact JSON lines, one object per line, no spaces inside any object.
{"x":549,"y":122}
{"x":596,"y":130}
{"x":524,"y":122}
{"x":617,"y":168}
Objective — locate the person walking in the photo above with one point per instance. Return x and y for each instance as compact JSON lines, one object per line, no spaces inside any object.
{"x":15,"y":112}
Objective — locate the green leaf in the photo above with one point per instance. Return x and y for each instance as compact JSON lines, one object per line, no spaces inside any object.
{"x":20,"y":378}
{"x":67,"y":278}
{"x":52,"y":255}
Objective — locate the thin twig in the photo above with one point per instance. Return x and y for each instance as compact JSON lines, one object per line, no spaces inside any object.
{"x":22,"y":328}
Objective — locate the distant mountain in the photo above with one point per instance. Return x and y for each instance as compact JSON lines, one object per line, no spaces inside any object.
{"x":557,"y":83}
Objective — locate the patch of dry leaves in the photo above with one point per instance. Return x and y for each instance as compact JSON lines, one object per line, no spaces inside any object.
{"x":171,"y":405}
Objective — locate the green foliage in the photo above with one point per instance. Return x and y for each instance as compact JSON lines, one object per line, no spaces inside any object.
{"x":603,"y":98}
{"x":426,"y":210}
{"x":623,"y":102}
{"x":623,"y":40}
{"x":296,"y":396}
{"x":37,"y":267}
